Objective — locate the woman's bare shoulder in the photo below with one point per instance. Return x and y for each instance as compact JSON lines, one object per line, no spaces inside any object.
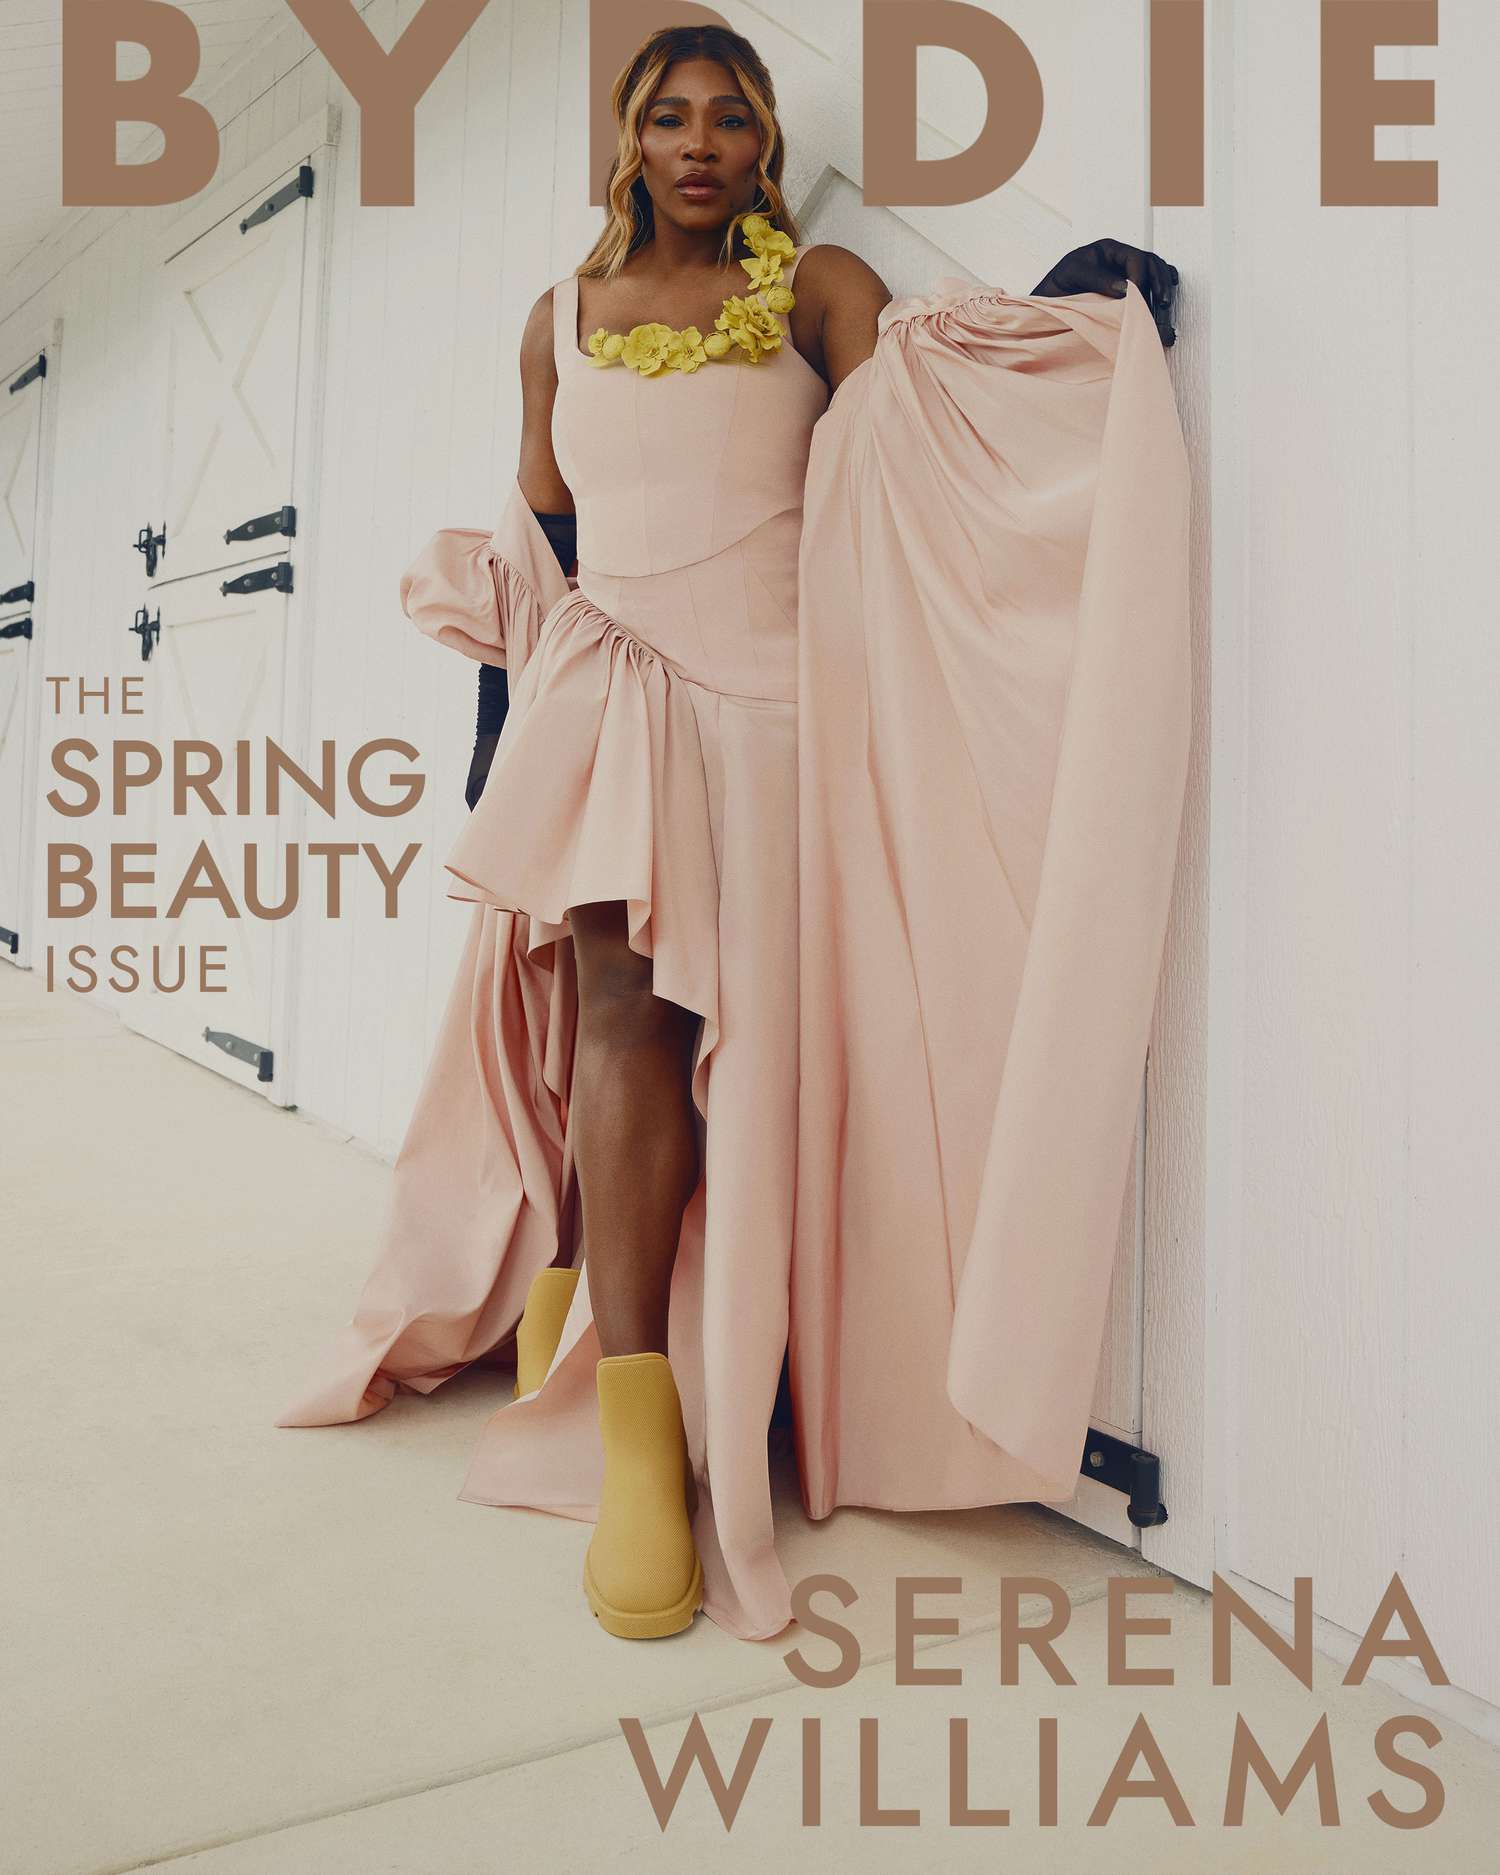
{"x":827,"y":271}
{"x":839,"y":297}
{"x":536,"y":337}
{"x":540,"y":479}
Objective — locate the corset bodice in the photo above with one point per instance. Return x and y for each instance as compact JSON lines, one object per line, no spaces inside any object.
{"x":669,"y":470}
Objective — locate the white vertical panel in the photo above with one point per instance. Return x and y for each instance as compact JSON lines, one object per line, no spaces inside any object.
{"x":1106,"y":101}
{"x":466,"y":487}
{"x":21,"y":466}
{"x":1452,"y":1293}
{"x":416,"y":405}
{"x":1351,"y":1167}
{"x":348,"y":635}
{"x":1316,"y":1476}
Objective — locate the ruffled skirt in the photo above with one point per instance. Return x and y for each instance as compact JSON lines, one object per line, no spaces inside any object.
{"x":659,"y":770}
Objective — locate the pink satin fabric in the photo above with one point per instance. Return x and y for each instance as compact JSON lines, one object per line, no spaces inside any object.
{"x":995,"y":707}
{"x":946,"y":705}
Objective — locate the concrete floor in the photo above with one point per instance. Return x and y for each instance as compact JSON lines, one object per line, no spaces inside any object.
{"x":260,"y":1651}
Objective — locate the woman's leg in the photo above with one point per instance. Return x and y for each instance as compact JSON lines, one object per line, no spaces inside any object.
{"x":635,"y":1141}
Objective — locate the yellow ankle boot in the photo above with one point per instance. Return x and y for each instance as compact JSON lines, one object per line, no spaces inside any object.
{"x":642,"y":1574}
{"x":540,"y":1328}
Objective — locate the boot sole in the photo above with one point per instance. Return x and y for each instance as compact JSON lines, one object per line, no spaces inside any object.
{"x":653,"y":1623}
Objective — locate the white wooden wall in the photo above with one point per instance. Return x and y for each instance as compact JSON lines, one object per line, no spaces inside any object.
{"x":1352,"y":1026}
{"x":421,"y":408}
{"x":1321,"y":1184}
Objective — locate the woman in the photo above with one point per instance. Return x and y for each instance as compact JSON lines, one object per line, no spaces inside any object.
{"x":624,"y":1029}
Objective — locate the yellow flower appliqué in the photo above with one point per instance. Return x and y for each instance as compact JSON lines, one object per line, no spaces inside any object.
{"x":746,"y":328}
{"x":647,"y":348}
{"x":604,"y":347}
{"x":750,"y":325}
{"x":768,"y":248}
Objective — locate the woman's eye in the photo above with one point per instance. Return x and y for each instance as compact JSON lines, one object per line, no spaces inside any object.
{"x":670,"y":120}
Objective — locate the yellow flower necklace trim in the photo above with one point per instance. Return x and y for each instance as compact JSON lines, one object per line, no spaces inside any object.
{"x":746,"y":328}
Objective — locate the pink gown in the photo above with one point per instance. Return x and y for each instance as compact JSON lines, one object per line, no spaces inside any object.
{"x":986,"y":607}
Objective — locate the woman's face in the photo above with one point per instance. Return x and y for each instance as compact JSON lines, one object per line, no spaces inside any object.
{"x":700,"y":145}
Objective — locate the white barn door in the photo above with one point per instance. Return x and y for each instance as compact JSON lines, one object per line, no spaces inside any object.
{"x":232,"y":311}
{"x":20,"y":461}
{"x":238,"y":341}
{"x":1086,"y":179}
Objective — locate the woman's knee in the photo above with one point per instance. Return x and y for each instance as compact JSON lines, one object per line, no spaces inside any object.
{"x":616,"y":999}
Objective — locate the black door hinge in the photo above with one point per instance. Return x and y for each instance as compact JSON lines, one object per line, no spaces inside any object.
{"x":1125,"y":1467}
{"x":10,"y":940}
{"x":24,"y":594}
{"x":17,"y":628}
{"x":30,"y":374}
{"x":276,"y":578}
{"x":261,"y":1059}
{"x":283,"y":521}
{"x":154,"y":546}
{"x":294,"y":191}
{"x":149,"y":630}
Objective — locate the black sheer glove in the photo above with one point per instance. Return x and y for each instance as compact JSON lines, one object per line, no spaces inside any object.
{"x":1105,"y":266}
{"x":494,"y":701}
{"x":494,"y":686}
{"x":479,"y":763}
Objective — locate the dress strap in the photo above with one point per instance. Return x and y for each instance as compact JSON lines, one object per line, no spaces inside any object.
{"x":789,"y":268}
{"x":788,"y":275}
{"x":564,"y":319}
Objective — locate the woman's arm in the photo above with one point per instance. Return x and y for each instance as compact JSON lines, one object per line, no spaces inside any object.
{"x":839,"y":300}
{"x":539,"y":476}
{"x":548,"y":496}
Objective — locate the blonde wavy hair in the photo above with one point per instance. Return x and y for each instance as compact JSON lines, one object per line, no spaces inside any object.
{"x":629,"y":217}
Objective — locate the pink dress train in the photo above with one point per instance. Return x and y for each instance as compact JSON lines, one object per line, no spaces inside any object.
{"x":917,"y":1065}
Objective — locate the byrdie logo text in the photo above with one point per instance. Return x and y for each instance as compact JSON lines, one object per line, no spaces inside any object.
{"x":388,"y":85}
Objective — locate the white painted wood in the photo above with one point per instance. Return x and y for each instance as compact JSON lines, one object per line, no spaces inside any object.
{"x":233,"y":317}
{"x":1449,"y":1030}
{"x":216,"y":677}
{"x":413,"y":419}
{"x":31,"y":208}
{"x":1339,"y":1385}
{"x":1316,"y":1479}
{"x":1107,"y":127}
{"x":301,"y":732}
{"x":20,"y":450}
{"x":20,"y":458}
{"x":373,"y":988}
{"x":186,"y":222}
{"x":239,"y":313}
{"x":30,"y":416}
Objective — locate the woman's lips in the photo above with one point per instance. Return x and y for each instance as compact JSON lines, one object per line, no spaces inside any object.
{"x":698,"y":190}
